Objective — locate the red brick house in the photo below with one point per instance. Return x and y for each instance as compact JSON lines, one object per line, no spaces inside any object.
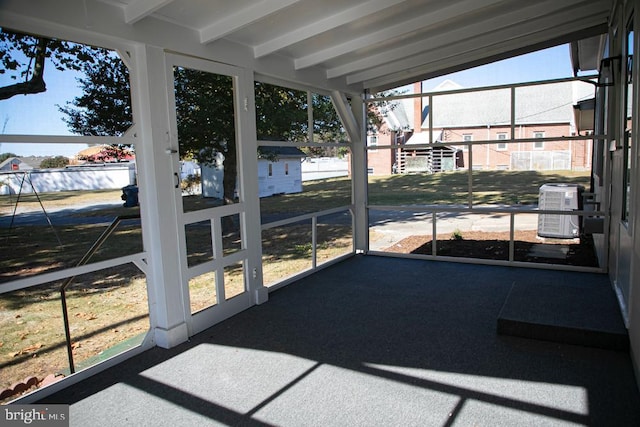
{"x":542,"y":112}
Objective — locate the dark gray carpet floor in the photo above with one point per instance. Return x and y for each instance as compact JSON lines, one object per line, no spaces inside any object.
{"x":370,"y":341}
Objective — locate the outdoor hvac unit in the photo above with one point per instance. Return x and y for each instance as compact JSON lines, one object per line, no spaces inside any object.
{"x":559,"y":197}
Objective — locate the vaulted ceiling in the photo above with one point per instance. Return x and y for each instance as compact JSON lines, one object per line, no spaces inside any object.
{"x":373,"y":44}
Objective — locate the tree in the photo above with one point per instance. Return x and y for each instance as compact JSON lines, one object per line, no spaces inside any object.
{"x":281,"y":113}
{"x":204,"y":101}
{"x":24,"y":57}
{"x":5,"y":156}
{"x":206,"y":122}
{"x":54,"y":162}
{"x":104,"y":108}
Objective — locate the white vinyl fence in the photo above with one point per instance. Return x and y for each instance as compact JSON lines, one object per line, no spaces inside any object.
{"x":95,"y":177}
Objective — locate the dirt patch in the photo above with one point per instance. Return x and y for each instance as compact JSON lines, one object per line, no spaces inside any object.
{"x":528,"y":247}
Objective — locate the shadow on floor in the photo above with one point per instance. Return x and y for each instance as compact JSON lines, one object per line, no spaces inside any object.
{"x":370,"y":341}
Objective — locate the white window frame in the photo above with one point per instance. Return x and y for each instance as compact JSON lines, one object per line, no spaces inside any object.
{"x":372,"y":140}
{"x":501,"y":146}
{"x":538,"y":145}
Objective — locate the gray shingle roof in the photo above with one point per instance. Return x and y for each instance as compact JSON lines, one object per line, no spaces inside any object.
{"x":547,"y":103}
{"x":281,"y":151}
{"x":396,"y":116}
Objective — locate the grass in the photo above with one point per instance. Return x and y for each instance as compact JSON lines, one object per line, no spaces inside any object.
{"x":110,"y":306}
{"x":288,"y":250}
{"x":29,"y":250}
{"x":105,"y":308}
{"x":98,"y":202}
{"x":489,"y":187}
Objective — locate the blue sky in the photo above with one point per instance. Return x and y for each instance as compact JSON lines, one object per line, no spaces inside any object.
{"x":542,"y":65}
{"x":39,"y":115}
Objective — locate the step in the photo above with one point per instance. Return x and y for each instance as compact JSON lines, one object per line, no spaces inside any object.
{"x":586,"y":315}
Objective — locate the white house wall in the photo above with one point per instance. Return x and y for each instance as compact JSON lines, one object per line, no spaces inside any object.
{"x":279,"y":182}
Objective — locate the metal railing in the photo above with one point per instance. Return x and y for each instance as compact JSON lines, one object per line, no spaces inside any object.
{"x":67,"y":282}
{"x":512,"y":212}
{"x":313,"y":216}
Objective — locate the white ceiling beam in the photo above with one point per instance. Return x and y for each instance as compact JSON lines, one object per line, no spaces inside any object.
{"x":524,"y":31}
{"x":137,"y":10}
{"x":527,"y":15}
{"x":418,"y":23}
{"x":431,"y":70}
{"x":242,"y":18}
{"x":442,"y":59}
{"x":322,"y":25}
{"x":463,"y":47}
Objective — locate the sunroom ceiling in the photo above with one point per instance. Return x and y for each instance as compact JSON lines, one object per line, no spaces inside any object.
{"x":363,"y":44}
{"x":378,"y":44}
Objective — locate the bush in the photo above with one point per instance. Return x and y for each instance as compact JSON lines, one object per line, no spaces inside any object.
{"x":457,"y":235}
{"x":54,"y":162}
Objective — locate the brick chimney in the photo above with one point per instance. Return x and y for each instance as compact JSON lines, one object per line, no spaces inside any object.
{"x":417,"y":108}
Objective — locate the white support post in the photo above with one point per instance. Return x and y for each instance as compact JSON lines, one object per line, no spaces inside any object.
{"x":248,"y":167}
{"x":157,"y":197}
{"x":354,"y":120}
{"x":359,"y":176}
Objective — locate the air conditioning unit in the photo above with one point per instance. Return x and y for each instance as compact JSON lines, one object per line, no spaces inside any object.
{"x":559,"y":197}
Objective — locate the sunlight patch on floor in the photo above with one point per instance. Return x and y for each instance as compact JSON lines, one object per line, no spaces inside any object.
{"x":558,"y":397}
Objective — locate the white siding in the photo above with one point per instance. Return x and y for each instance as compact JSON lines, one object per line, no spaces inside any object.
{"x":279,"y":182}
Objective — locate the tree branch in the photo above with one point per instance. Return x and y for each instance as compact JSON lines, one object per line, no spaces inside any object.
{"x":36,"y":83}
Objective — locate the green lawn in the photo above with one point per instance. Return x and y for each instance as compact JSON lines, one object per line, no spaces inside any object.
{"x":489,"y":187}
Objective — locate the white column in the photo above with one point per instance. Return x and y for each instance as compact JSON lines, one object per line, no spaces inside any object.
{"x":359,"y":176}
{"x":158,"y":203}
{"x":354,"y":120}
{"x":248,"y":170}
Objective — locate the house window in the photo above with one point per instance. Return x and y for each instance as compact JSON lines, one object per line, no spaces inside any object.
{"x":372,"y":140}
{"x":270,"y":169}
{"x":538,"y":145}
{"x":286,"y":168}
{"x":502,"y":136}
